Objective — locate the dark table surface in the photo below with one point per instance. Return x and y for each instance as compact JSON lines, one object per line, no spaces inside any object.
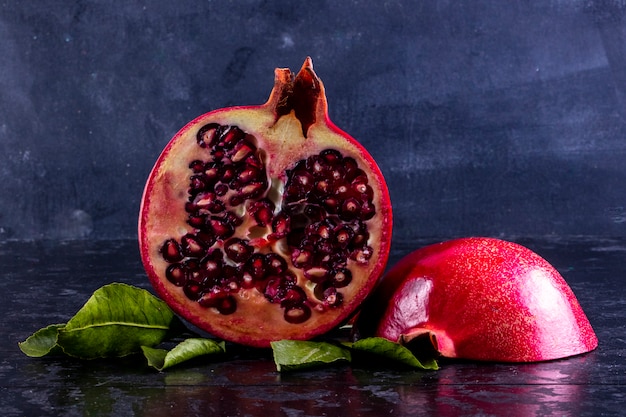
{"x":47,"y":282}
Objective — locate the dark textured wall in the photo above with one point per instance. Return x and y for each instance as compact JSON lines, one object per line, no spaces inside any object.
{"x":500,"y":118}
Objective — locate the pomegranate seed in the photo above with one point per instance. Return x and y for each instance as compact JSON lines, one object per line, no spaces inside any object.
{"x":274,"y":290}
{"x":262,"y":211}
{"x":207,"y":134}
{"x":192,"y":290}
{"x":343,"y":236}
{"x":197,"y":184}
{"x":275,"y":264}
{"x":248,"y":174}
{"x":238,"y":249}
{"x":301,"y":258}
{"x":175,"y":273}
{"x":221,"y":189}
{"x":316,"y":274}
{"x":293,"y":296}
{"x":230,"y":137}
{"x":196,"y":166}
{"x":297,"y":314}
{"x":228,"y":173}
{"x":350,"y":209}
{"x":331,"y":156}
{"x":280,"y":226}
{"x":363,"y":255}
{"x":192,"y":246}
{"x":341,"y":277}
{"x":242,"y":151}
{"x":212,"y":268}
{"x":227,"y":305}
{"x":255,"y":266}
{"x":332,"y":298}
{"x":171,"y":251}
{"x":221,"y":228}
{"x":196,"y":220}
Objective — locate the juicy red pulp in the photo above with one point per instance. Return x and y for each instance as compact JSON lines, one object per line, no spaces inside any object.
{"x":322,"y":216}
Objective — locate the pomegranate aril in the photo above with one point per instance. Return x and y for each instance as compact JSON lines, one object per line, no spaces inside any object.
{"x":197,"y":183}
{"x":238,"y":250}
{"x":206,"y":200}
{"x":331,"y":205}
{"x":350,"y":209}
{"x":341,"y":278}
{"x":297,"y":314}
{"x":193,"y":290}
{"x":351,"y":168}
{"x":332,"y":297}
{"x":367,"y":211}
{"x":247,"y":175}
{"x":301,"y":258}
{"x":192,"y":246}
{"x":343,"y":236}
{"x":280,"y":226}
{"x":227,"y":305}
{"x":242,"y":151}
{"x":255,"y":266}
{"x":331,"y":156}
{"x":315,"y":164}
{"x":211,"y":268}
{"x":176,"y":274}
{"x":275,"y":264}
{"x":230,"y":137}
{"x":196,"y":166}
{"x":197,"y":221}
{"x":293,"y":296}
{"x":228,"y":173}
{"x":316,"y":274}
{"x":224,"y":303}
{"x":254,"y":189}
{"x":362,"y":255}
{"x":221,"y":189}
{"x":221,"y":227}
{"x":314,"y":212}
{"x":262,"y":211}
{"x":274,"y":289}
{"x":208,"y":134}
{"x":171,"y":251}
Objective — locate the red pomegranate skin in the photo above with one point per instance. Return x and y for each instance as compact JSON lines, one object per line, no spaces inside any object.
{"x":481,"y":299}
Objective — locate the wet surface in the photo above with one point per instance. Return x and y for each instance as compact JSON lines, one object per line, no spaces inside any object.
{"x":45,"y":283}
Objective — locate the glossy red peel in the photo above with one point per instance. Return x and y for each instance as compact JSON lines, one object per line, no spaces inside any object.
{"x":480,"y":299}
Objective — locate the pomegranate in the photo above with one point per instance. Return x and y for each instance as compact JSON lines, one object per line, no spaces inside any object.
{"x":481,"y":299}
{"x":268,"y":222}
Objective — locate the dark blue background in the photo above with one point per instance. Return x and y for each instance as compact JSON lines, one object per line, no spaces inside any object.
{"x":501,"y":118}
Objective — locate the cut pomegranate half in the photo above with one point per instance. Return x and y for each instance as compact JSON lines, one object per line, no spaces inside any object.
{"x":262,"y":223}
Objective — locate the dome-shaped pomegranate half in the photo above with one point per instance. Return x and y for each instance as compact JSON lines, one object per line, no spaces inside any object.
{"x":261,"y":223}
{"x":481,"y":299}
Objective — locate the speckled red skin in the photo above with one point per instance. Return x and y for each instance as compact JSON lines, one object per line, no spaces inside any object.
{"x":480,"y":299}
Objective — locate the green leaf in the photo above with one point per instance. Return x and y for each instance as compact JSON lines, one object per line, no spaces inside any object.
{"x":393,"y":351}
{"x":187,"y":349}
{"x":293,"y":355}
{"x":43,"y":342}
{"x":116,"y":321}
